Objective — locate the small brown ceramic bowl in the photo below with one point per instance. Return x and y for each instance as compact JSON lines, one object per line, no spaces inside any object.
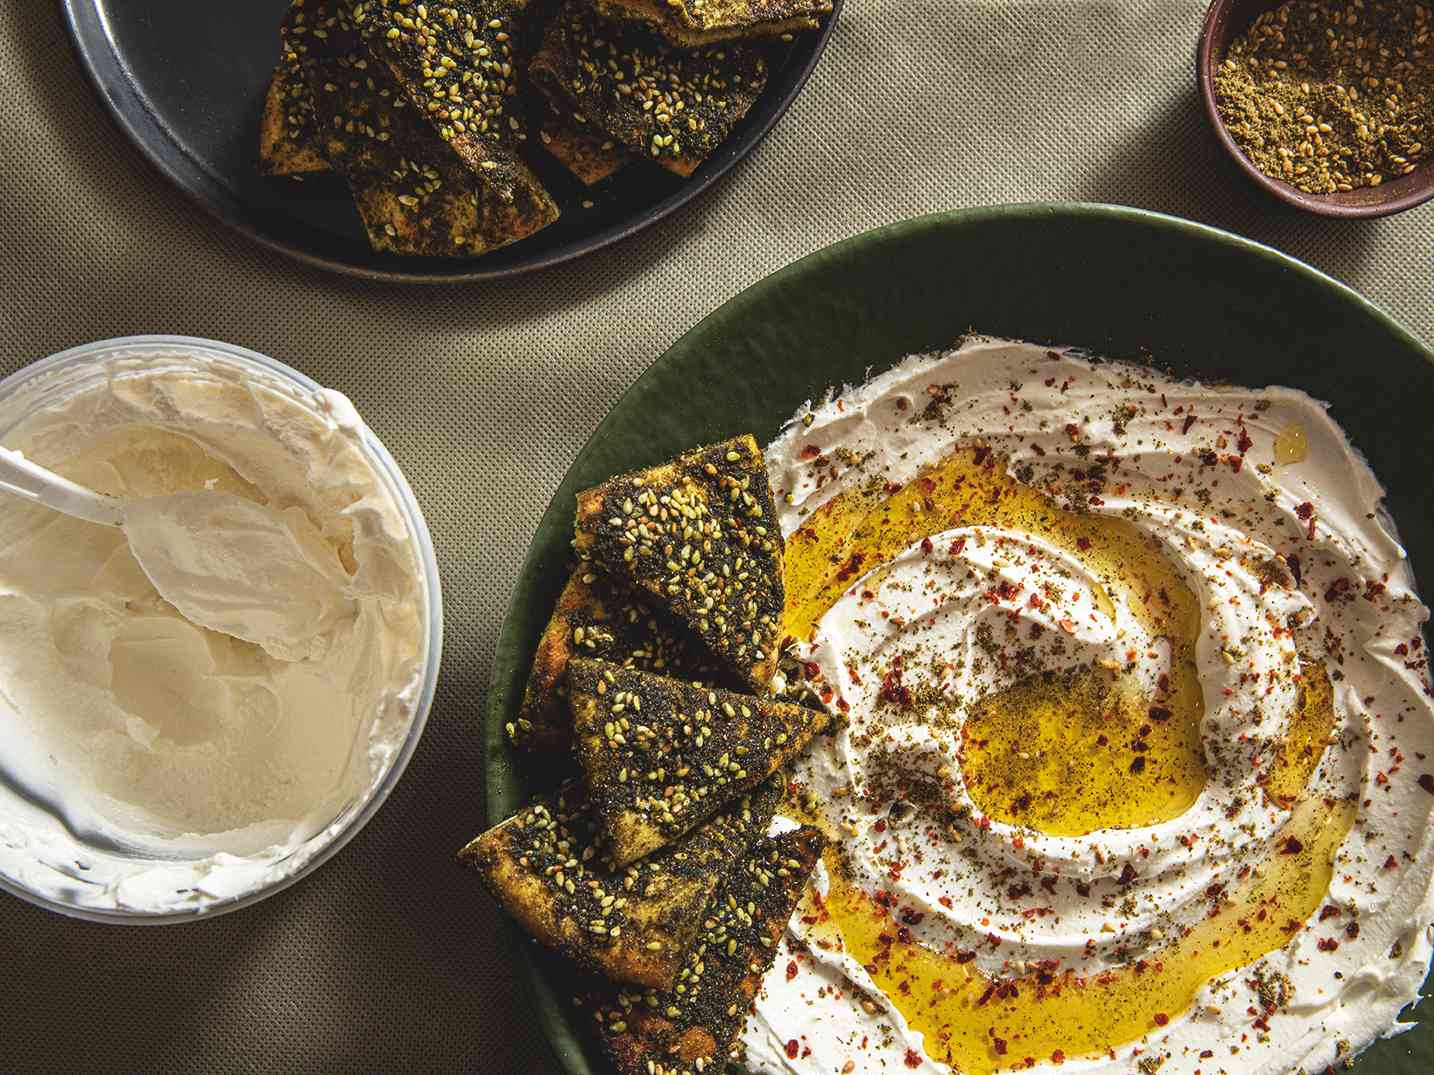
{"x":1227,"y":19}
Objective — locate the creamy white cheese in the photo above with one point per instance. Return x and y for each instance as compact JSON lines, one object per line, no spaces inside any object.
{"x":241,"y":568}
{"x":1193,"y":466}
{"x":150,"y":763}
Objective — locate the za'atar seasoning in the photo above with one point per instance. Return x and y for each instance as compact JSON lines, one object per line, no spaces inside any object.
{"x":1331,"y":95}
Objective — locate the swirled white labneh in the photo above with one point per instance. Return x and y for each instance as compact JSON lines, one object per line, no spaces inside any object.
{"x":1138,"y":768}
{"x":157,"y":758}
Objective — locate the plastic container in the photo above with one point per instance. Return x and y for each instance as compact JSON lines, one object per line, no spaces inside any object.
{"x":62,"y":374}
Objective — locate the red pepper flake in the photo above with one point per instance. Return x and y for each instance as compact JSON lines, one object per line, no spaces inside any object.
{"x":1327,"y":944}
{"x":1058,"y":1057}
{"x":1426,"y":781}
{"x":1352,"y":930}
{"x":1294,"y":565}
{"x":1138,"y":765}
{"x":1291,"y":847}
{"x":1305,"y":510}
{"x":893,"y":691}
{"x":1329,"y":910}
{"x":1000,"y":1045}
{"x":957,"y":546}
{"x":1161,"y":1018}
{"x":1185,"y":426}
{"x":1206,"y":1054}
{"x":1068,"y":626}
{"x":811,"y":451}
{"x":1339,"y":590}
{"x":1389,"y":863}
{"x":945,"y":901}
{"x":913,"y":1058}
{"x":1127,"y":874}
{"x":1159,"y":712}
{"x":851,"y":567}
{"x":794,"y":1047}
{"x":1082,"y":543}
{"x":911,"y":916}
{"x":791,"y":969}
{"x":926,"y":545}
{"x":978,"y":456}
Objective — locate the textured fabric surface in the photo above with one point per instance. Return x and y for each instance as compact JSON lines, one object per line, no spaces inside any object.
{"x":387,"y":959}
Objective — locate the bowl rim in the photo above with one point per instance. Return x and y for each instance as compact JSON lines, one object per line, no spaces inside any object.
{"x":1320,"y":205}
{"x":433,"y":635}
{"x":500,"y":768}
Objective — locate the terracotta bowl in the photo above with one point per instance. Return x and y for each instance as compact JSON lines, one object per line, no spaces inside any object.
{"x":1227,"y":19}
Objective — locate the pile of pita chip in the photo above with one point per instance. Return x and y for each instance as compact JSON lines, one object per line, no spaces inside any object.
{"x":431,"y":111}
{"x":656,"y":680}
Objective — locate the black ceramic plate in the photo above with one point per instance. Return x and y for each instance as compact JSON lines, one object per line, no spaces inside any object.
{"x":1122,"y":282}
{"x":185,"y":80}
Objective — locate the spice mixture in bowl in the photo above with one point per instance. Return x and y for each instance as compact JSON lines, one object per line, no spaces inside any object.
{"x":1329,"y":103}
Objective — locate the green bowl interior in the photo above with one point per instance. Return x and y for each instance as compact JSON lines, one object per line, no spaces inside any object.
{"x":1121,"y":282}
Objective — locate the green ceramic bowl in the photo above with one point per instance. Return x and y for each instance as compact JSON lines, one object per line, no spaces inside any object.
{"x":1122,"y":282}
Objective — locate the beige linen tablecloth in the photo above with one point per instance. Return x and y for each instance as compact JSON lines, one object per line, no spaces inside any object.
{"x":386,"y":960}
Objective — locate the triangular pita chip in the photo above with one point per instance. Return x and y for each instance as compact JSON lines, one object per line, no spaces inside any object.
{"x":667,"y":105}
{"x":598,"y":618}
{"x":414,"y":195}
{"x":288,"y":128}
{"x":661,"y":755}
{"x":634,"y":925}
{"x":694,"y":23}
{"x":457,"y":61}
{"x":692,"y":1029}
{"x":699,"y":533}
{"x":588,"y":153}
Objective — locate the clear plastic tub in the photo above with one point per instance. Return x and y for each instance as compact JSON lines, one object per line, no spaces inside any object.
{"x":63,"y":374}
